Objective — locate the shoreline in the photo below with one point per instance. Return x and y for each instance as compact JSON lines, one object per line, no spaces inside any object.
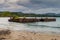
{"x":26,"y":35}
{"x":37,"y":32}
{"x":45,"y":32}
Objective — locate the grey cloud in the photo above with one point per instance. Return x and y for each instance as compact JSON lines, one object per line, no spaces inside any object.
{"x":29,"y":5}
{"x":37,"y":4}
{"x":47,"y":3}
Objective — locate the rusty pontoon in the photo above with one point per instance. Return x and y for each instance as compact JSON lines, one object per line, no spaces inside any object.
{"x":28,"y":20}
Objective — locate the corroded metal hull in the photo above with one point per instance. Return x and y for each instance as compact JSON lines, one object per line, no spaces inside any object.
{"x":21,"y":20}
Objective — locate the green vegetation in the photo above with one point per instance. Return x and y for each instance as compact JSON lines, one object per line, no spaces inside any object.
{"x":20,"y":14}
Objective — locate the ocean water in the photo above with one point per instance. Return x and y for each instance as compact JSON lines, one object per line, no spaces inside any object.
{"x":52,"y":27}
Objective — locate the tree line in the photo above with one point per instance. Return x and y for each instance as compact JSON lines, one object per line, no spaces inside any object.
{"x":20,"y":14}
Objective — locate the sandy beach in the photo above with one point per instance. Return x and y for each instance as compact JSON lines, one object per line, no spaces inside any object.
{"x":25,"y":35}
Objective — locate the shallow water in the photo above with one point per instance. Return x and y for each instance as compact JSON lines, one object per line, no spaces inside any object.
{"x":36,"y":27}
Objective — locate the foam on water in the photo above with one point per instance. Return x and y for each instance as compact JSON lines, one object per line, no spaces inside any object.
{"x":37,"y":27}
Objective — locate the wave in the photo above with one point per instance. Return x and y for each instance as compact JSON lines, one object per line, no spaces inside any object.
{"x":55,"y":27}
{"x":44,"y":26}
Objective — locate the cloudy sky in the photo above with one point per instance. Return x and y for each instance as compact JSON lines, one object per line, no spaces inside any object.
{"x":31,"y":6}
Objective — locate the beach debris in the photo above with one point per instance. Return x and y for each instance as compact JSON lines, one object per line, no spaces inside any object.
{"x":5,"y":32}
{"x":2,"y":38}
{"x":54,"y":39}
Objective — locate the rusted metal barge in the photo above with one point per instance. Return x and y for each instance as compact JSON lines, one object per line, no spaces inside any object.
{"x":26,"y":20}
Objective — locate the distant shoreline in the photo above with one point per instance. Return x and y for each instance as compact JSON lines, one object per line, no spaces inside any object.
{"x":21,"y":14}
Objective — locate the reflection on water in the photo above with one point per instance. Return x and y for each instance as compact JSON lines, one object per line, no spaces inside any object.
{"x":38,"y":26}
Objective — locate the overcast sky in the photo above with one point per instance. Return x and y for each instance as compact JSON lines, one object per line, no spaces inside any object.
{"x":31,"y":6}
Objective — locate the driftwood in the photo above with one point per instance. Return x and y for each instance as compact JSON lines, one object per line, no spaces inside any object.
{"x":5,"y":32}
{"x":2,"y":38}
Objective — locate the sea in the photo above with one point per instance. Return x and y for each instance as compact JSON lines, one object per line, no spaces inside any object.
{"x":47,"y":27}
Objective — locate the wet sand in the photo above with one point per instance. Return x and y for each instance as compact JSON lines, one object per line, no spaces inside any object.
{"x":25,"y":35}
